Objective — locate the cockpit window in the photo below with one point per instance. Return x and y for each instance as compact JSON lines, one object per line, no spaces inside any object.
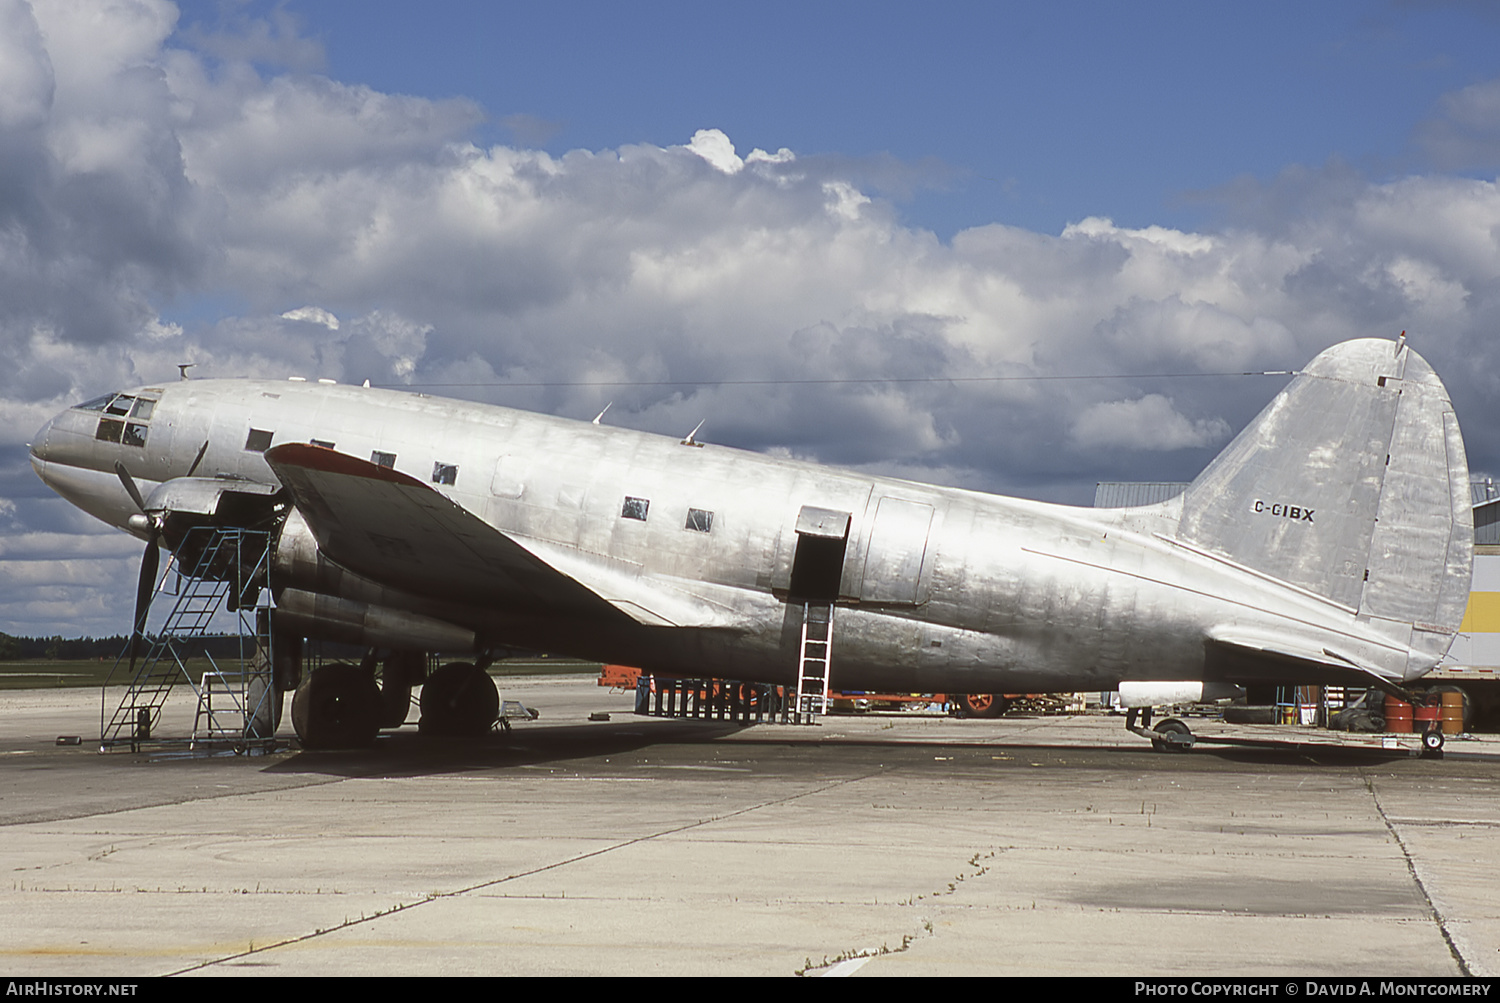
{"x":137,"y":409}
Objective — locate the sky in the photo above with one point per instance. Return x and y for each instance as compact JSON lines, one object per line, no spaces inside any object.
{"x":688,"y":208}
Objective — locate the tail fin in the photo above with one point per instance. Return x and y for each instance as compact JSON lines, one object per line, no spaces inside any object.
{"x":1353,"y":484}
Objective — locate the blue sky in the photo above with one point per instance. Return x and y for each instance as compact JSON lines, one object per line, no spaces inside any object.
{"x":555,"y":206}
{"x":1031,"y":114}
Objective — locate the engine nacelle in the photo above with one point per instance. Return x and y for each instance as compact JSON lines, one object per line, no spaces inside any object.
{"x":329,"y":618}
{"x":298,"y":562}
{"x":317,"y":598}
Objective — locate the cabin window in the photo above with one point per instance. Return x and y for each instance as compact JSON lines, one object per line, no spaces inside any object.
{"x":258,"y":441}
{"x":444,"y":473}
{"x":97,"y":404}
{"x":109,"y":430}
{"x":700,"y":521}
{"x":321,"y":442}
{"x":635,"y":508}
{"x":383,"y":459}
{"x":120,"y":405}
{"x":143,"y":408}
{"x":135,"y":434}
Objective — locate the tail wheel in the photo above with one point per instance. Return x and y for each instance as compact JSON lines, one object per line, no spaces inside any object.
{"x":983,"y":704}
{"x":1432,"y":744}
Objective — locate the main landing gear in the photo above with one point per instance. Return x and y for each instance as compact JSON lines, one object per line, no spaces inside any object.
{"x":341,"y":705}
{"x":459,"y":700}
{"x":1170,"y":734}
{"x":337,"y":707}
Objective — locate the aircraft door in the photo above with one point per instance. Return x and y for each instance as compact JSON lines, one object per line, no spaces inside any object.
{"x":818,"y":562}
{"x":897,"y":552}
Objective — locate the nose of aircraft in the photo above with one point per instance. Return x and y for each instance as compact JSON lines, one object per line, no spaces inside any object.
{"x":39,"y":447}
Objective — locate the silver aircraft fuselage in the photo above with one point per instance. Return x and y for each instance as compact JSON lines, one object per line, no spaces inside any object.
{"x":937,"y":589}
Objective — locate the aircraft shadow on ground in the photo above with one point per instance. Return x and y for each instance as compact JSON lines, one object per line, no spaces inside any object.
{"x":406,"y":753}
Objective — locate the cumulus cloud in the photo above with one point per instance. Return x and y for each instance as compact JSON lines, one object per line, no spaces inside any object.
{"x":1146,"y":423}
{"x":313,"y":315}
{"x":211,"y":199}
{"x":713,"y":146}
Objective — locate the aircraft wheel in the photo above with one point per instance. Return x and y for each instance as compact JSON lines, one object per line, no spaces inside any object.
{"x":983,"y":704}
{"x":1432,"y":744}
{"x":1168,"y":730}
{"x":459,"y":700}
{"x":336,"y":707}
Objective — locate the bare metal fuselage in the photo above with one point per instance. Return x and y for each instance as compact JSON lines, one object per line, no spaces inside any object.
{"x":938,"y":589}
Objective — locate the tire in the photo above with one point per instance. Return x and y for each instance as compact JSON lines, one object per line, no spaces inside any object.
{"x":1168,"y":727}
{"x":459,"y":700}
{"x":987,"y":705}
{"x":1432,"y":744}
{"x":336,"y":707}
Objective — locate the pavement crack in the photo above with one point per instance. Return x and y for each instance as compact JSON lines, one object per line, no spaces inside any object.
{"x":542,"y":869}
{"x":838,"y":964}
{"x":1411,"y":867}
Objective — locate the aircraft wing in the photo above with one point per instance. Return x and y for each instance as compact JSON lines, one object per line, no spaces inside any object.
{"x":393,"y":529}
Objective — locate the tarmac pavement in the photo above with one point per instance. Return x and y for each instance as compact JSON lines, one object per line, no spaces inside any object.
{"x":902,"y":844}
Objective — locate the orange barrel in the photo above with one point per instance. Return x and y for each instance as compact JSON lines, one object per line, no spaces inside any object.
{"x":1397,"y":716}
{"x":1453,"y":713}
{"x":1424,"y":718}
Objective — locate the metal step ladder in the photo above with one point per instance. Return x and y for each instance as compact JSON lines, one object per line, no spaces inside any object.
{"x":812,"y":663}
{"x":233,"y":699}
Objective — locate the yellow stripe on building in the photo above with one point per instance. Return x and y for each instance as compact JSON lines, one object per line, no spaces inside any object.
{"x":1483,"y":614}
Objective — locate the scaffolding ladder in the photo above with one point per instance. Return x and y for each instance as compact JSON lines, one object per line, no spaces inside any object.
{"x":815,"y":653}
{"x":225,"y":570}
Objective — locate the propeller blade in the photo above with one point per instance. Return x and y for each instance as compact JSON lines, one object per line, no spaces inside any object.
{"x":130,"y":488}
{"x":203,"y":449}
{"x":144,"y":586}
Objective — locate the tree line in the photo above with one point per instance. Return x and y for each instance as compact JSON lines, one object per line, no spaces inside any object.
{"x":58,"y":648}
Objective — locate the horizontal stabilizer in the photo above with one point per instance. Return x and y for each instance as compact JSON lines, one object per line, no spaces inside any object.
{"x":1244,"y":658}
